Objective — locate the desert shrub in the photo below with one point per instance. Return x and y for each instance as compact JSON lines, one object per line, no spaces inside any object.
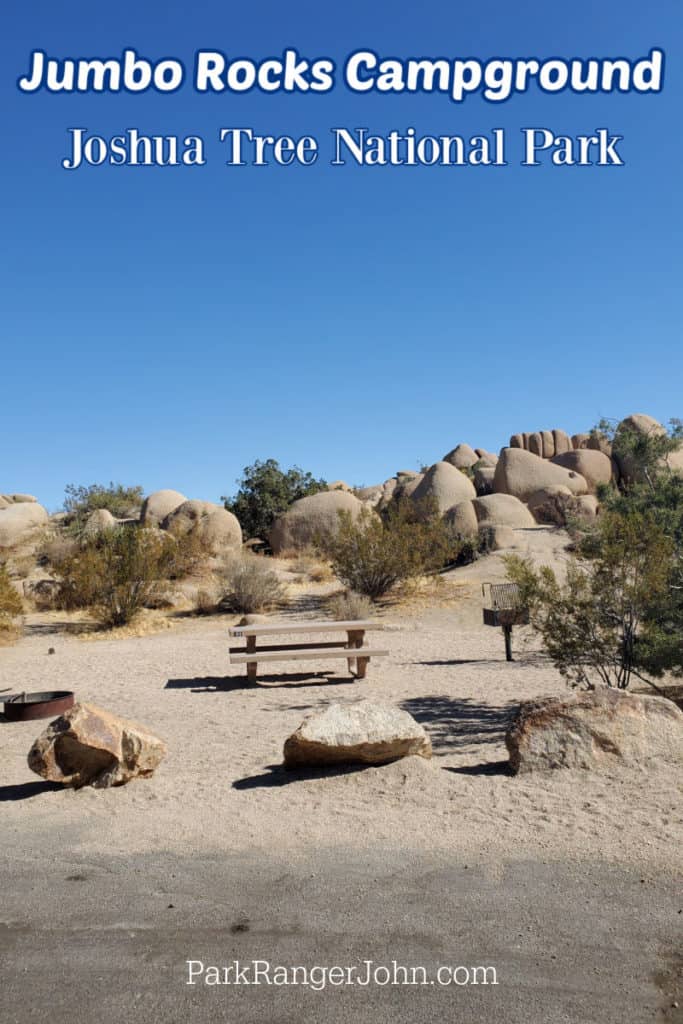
{"x":250,"y":585}
{"x":11,"y":604}
{"x":56,"y":547}
{"x":265,"y":492}
{"x":116,"y":574}
{"x":349,"y":606}
{"x":310,"y":565}
{"x":373,"y":554}
{"x":205,"y":602}
{"x":187,"y":554}
{"x":594,"y":625}
{"x":80,"y":501}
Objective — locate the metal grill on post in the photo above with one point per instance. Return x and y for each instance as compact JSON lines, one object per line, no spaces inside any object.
{"x":505,"y":610}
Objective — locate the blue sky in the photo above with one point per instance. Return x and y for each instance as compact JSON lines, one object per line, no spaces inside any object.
{"x":167,"y":326}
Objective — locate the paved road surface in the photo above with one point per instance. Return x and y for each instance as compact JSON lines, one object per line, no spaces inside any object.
{"x":107,"y":940}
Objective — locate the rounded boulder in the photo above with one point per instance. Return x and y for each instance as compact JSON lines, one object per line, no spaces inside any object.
{"x":521,"y":474}
{"x":462,"y":457}
{"x":463,"y":519}
{"x":160,"y":504}
{"x":502,"y":510}
{"x":217,"y":528}
{"x":312,"y":518}
{"x":446,"y":485}
{"x":594,"y":466}
{"x":19,"y":521}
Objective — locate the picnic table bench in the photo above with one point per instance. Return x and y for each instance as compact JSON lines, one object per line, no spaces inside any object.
{"x":251,"y":655}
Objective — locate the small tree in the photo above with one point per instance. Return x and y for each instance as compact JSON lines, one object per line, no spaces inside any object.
{"x":265,"y":492}
{"x":594,"y":624}
{"x":371,"y":555}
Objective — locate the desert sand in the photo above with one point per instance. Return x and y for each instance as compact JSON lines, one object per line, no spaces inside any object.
{"x":564,"y":881}
{"x":222,"y":788}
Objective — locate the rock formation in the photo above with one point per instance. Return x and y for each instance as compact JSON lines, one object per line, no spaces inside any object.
{"x":88,"y":746}
{"x":362,"y":733}
{"x":595,"y":729}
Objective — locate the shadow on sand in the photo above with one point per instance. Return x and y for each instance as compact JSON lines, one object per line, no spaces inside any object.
{"x":277,"y":775}
{"x":485,"y":768}
{"x":25,"y":790}
{"x":225,"y":684}
{"x":459,"y":722}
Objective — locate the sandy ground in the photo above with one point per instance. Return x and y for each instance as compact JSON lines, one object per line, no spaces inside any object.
{"x":221,"y":797}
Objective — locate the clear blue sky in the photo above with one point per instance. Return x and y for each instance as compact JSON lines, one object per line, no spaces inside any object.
{"x":169,"y":326}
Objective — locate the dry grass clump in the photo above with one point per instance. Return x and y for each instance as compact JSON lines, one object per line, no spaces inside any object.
{"x":56,"y":548}
{"x":309,"y":564}
{"x":349,"y":606}
{"x":11,"y":606}
{"x":206,"y":602}
{"x":250,"y":585}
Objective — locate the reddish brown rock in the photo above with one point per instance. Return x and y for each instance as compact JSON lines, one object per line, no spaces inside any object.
{"x":88,"y":746}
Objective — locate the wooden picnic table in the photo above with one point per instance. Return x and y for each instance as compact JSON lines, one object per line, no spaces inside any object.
{"x":355,"y":631}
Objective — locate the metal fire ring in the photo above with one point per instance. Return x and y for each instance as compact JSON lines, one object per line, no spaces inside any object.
{"x":24,"y":707}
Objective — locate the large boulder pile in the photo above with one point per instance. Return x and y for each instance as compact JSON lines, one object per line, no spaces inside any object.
{"x":160,"y":504}
{"x":214,"y":525}
{"x":595,"y":729}
{"x":521,"y":474}
{"x":362,"y":733}
{"x":19,"y":521}
{"x":446,"y":485}
{"x":310,"y":519}
{"x":88,"y":746}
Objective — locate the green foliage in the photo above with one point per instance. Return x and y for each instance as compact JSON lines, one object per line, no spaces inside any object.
{"x":371,"y":555}
{"x":620,"y":611}
{"x":10,"y":603}
{"x":265,"y":492}
{"x":117,"y":573}
{"x":80,"y":501}
{"x":655,"y":492}
{"x":645,"y":453}
{"x":251,"y":586}
{"x":594,"y":624}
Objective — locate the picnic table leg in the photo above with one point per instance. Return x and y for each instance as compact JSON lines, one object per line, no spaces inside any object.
{"x":507,"y":630}
{"x":355,"y":639}
{"x":252,"y":666}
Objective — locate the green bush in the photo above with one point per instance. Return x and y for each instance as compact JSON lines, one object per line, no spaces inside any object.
{"x":80,"y":501}
{"x":373,"y":554}
{"x":594,"y":624}
{"x":265,"y":492}
{"x":116,"y":574}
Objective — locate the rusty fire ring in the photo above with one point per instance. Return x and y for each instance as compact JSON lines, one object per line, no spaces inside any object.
{"x":24,"y":707}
